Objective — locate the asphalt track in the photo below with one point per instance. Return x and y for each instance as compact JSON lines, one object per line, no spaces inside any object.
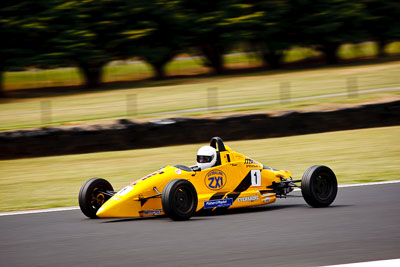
{"x":361,"y":225}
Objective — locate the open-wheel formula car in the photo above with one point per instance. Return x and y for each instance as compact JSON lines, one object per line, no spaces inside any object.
{"x":234,"y":181}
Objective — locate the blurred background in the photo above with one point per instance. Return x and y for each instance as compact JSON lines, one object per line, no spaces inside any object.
{"x":64,"y":62}
{"x":72,"y":63}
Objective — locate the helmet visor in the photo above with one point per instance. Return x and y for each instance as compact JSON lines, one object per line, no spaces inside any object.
{"x":204,"y":159}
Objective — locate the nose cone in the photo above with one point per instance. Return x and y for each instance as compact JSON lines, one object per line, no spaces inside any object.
{"x":105,"y":212}
{"x":117,"y":208}
{"x":101,"y":214}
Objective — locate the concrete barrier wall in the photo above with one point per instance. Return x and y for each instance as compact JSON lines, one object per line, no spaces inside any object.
{"x":126,"y":134}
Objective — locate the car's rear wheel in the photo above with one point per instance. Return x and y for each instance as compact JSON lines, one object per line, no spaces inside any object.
{"x":92,"y":196}
{"x":319,"y":186}
{"x":179,"y":199}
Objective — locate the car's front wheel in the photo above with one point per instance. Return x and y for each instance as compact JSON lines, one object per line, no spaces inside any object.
{"x":179,"y":199}
{"x":319,"y":186}
{"x":93,"y":195}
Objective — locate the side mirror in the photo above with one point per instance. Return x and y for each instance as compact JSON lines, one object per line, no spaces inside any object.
{"x":196,"y":168}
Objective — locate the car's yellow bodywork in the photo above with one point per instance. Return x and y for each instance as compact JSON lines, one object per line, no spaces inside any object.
{"x":236,"y":182}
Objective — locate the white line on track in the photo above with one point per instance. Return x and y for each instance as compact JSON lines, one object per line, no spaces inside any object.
{"x":36,"y":211}
{"x":372,"y":183}
{"x":8,"y":213}
{"x":386,"y":263}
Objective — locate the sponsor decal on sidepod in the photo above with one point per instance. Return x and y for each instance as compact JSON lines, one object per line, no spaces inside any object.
{"x":247,"y":199}
{"x":215,"y":179}
{"x":218,"y":203}
{"x":153,"y":212}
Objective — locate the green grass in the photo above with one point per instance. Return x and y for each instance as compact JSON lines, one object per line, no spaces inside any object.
{"x":365,"y":155}
{"x":178,"y":94}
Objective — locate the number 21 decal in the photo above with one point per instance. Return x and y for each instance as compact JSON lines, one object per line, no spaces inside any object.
{"x":255,"y":177}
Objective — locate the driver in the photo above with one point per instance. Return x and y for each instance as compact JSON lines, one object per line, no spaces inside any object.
{"x":206,"y":157}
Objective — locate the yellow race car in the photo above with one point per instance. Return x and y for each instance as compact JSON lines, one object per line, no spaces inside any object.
{"x":233,"y":181}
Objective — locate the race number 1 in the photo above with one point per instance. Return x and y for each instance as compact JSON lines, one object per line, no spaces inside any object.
{"x":255,"y":177}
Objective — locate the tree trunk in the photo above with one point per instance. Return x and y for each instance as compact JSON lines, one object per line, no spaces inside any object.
{"x":159,"y":70}
{"x":330,"y":51}
{"x":214,"y":57}
{"x":2,"y":92}
{"x":272,"y":59}
{"x":159,"y":65}
{"x":381,"y":48}
{"x":158,"y":62}
{"x":92,"y":74}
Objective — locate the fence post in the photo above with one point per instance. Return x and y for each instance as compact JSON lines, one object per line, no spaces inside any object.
{"x":212,"y":95}
{"x":352,"y":87}
{"x":285,"y":92}
{"x":131,"y":105}
{"x":45,"y":108}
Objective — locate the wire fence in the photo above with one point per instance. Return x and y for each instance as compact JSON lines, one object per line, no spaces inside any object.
{"x":192,"y":100}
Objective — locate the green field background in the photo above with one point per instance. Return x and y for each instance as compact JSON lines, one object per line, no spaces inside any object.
{"x":178,"y":94}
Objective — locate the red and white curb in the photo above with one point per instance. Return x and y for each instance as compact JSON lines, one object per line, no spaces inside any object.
{"x":8,"y":213}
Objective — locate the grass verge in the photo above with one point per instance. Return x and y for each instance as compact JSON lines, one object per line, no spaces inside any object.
{"x":365,"y":155}
{"x":180,"y":94}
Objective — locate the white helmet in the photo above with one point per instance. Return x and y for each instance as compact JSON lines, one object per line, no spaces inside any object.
{"x":206,"y":157}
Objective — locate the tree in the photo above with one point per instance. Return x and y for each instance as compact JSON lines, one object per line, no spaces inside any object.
{"x":156,"y":32}
{"x":215,"y":28}
{"x":382,"y":22}
{"x":326,"y":24}
{"x":87,"y":34}
{"x":21,"y":26}
{"x":269,"y":30}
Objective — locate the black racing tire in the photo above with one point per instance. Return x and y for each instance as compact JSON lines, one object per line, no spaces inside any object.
{"x":91,"y":198}
{"x":319,"y":186}
{"x":179,"y":200}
